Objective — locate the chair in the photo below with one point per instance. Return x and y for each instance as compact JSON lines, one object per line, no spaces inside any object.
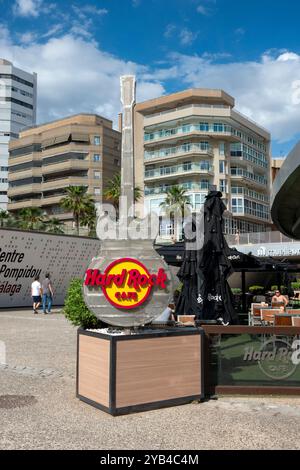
{"x":282,"y":320}
{"x":254,"y":314}
{"x":293,"y":311}
{"x":267,"y":316}
{"x":277,"y":304}
{"x":296,"y":321}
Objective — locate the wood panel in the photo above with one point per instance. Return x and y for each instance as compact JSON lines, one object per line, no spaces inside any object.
{"x":93,"y":369}
{"x":157,"y":369}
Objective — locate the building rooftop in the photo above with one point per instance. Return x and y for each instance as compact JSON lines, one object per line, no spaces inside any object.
{"x":79,"y":119}
{"x":174,"y":100}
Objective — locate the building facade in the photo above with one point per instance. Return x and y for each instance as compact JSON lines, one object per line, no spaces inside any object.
{"x":197,"y":140}
{"x":18,"y":91}
{"x":276,"y":165}
{"x":81,"y":150}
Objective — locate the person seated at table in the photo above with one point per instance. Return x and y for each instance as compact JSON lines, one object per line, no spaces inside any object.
{"x":278,"y":298}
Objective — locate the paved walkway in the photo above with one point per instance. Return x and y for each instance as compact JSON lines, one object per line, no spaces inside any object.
{"x":39,"y":409}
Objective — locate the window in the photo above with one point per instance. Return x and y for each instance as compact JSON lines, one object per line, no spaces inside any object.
{"x":4,"y":168}
{"x":218,"y":127}
{"x":204,"y":126}
{"x":237,"y":205}
{"x":223,"y":186}
{"x":96,"y":157}
{"x":97,"y":175}
{"x":222,"y":148}
{"x":222,"y":166}
{"x":97,"y":191}
{"x":97,"y":140}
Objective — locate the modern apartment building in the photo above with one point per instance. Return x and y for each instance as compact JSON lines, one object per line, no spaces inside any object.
{"x":197,"y":140}
{"x":17,"y":110}
{"x":78,"y":150}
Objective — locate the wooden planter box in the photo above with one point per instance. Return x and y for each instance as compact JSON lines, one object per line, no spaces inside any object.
{"x":129,"y":373}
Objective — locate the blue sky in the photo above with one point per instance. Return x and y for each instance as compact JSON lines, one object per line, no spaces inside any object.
{"x":79,"y":48}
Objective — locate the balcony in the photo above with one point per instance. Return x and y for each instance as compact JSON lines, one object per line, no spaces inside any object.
{"x":14,"y":206}
{"x":241,"y":174}
{"x":24,"y":189}
{"x":246,"y":159}
{"x":237,"y":191}
{"x":65,"y":166}
{"x":223,"y":131}
{"x":65,"y":182}
{"x":201,"y":148}
{"x":180,"y":170}
{"x":204,"y":186}
{"x":22,"y":174}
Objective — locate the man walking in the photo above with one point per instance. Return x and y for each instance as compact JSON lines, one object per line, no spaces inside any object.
{"x":36,"y":290}
{"x":47,"y":294}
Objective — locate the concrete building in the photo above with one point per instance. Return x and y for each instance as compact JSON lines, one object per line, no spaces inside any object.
{"x":196,"y":139}
{"x":17,"y":110}
{"x":78,"y":150}
{"x":276,"y":165}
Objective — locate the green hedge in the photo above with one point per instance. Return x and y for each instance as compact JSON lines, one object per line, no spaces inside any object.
{"x":256,"y":289}
{"x":295,"y":285}
{"x":75,"y":309}
{"x":236,"y":290}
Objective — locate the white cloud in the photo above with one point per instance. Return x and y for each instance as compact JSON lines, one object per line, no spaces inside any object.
{"x":206,"y":7}
{"x":202,"y":10}
{"x":265,"y":90}
{"x":27,"y":7}
{"x":187,"y":36}
{"x":170,"y":30}
{"x":75,"y":76}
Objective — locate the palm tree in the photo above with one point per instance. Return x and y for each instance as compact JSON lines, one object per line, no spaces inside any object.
{"x":79,"y":202}
{"x":4,"y":215}
{"x":31,"y":218}
{"x":54,"y":225}
{"x":174,"y":204}
{"x":113,"y":191}
{"x":89,"y":220}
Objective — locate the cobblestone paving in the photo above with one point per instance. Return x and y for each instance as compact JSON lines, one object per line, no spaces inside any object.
{"x":39,"y":408}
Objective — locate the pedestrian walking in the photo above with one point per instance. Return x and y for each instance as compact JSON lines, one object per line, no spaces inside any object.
{"x":36,"y":291}
{"x":47,"y":294}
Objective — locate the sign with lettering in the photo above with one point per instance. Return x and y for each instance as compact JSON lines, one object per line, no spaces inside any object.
{"x":126,"y":283}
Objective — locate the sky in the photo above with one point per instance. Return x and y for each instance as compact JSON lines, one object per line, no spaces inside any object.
{"x":249,"y":48}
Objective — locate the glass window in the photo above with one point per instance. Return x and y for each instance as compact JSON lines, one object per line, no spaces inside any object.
{"x":97,"y":191}
{"x":96,"y":157}
{"x":222,"y":166}
{"x":223,"y":186}
{"x":97,"y":175}
{"x":204,"y":126}
{"x":97,"y":140}
{"x":222,"y":148}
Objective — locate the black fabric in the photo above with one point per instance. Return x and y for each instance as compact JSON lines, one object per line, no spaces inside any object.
{"x":204,"y":273}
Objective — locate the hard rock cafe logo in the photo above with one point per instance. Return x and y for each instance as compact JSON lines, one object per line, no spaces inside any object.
{"x":126,"y":283}
{"x":277,"y":358}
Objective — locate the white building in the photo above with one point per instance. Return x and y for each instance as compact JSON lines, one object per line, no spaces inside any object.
{"x":18,"y":90}
{"x":197,"y":140}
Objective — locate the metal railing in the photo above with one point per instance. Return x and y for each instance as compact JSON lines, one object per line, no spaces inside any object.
{"x":256,"y":238}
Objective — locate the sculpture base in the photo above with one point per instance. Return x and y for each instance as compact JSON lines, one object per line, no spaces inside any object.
{"x":121,"y":374}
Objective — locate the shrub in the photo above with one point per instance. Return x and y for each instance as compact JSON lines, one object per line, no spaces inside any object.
{"x":256,"y":289}
{"x":75,"y":309}
{"x":236,"y":290}
{"x":295,"y":285}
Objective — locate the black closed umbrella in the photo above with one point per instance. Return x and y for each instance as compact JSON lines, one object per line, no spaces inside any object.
{"x":204,"y":273}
